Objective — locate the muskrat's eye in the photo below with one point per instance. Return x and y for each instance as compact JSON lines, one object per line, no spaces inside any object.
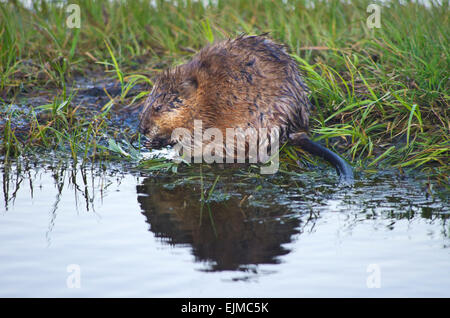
{"x":158,"y":108}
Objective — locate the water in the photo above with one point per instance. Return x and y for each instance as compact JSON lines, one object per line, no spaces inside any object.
{"x":116,"y":232}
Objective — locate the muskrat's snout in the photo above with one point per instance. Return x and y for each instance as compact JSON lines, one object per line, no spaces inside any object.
{"x":154,"y":139}
{"x":157,"y":142}
{"x":149,"y":130}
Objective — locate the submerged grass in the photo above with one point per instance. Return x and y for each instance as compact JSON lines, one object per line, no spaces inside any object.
{"x":381,"y":95}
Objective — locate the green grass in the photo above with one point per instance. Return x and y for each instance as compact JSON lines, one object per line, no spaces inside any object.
{"x":381,"y":95}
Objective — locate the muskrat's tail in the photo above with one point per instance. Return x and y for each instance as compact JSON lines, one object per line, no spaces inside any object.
{"x":343,"y":169}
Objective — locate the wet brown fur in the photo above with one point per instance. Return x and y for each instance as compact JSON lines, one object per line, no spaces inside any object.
{"x":246,"y":82}
{"x":249,"y":81}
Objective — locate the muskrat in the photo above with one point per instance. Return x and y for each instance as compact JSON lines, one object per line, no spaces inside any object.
{"x":248,"y":81}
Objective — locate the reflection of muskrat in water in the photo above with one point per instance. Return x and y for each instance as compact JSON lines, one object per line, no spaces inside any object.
{"x":245,"y":82}
{"x":228,"y":235}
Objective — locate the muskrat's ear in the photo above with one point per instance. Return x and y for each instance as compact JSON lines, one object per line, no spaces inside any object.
{"x":188,"y":87}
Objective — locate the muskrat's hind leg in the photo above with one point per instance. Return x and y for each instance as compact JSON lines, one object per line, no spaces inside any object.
{"x":343,"y":169}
